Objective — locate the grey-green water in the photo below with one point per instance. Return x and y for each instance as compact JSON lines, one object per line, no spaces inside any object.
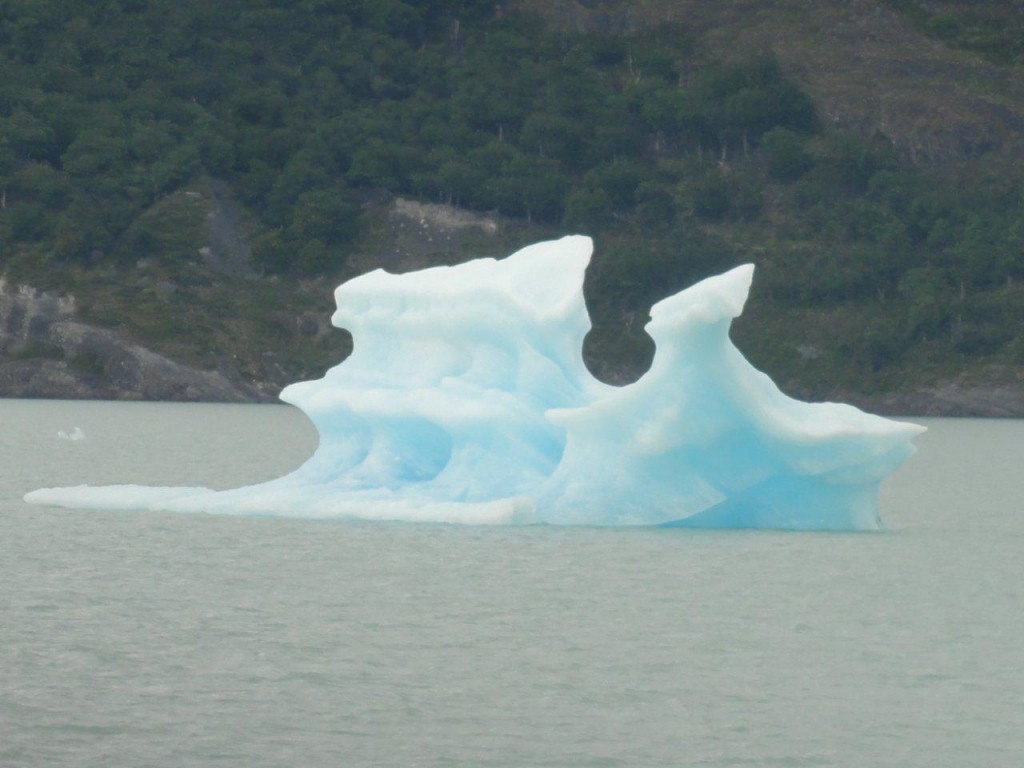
{"x":151,"y":639}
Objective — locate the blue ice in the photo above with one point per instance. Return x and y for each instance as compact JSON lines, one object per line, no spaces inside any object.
{"x":466,"y":400}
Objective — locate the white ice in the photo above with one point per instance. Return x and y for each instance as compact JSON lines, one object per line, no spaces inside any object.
{"x":466,"y":400}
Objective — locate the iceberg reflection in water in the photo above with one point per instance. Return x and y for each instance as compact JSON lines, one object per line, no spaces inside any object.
{"x":466,"y":400}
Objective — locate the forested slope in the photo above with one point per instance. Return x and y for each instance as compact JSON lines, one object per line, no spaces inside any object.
{"x":198,"y":175}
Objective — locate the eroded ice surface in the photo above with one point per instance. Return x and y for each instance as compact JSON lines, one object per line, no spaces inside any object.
{"x":466,"y":400}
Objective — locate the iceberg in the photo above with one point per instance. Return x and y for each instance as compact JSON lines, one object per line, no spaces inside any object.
{"x":466,"y":400}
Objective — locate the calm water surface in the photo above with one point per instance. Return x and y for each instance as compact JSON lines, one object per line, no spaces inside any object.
{"x":153,"y":639}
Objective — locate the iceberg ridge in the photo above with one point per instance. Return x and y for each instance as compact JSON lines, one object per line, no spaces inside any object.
{"x":466,"y":400}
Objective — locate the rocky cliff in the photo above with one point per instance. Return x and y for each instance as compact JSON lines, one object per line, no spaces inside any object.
{"x":47,"y":352}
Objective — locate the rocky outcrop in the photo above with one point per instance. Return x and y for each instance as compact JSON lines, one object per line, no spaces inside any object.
{"x":420,"y":235}
{"x":47,"y":352}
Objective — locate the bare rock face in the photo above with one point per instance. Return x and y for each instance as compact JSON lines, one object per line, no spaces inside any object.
{"x":421,"y":235}
{"x":46,"y":352}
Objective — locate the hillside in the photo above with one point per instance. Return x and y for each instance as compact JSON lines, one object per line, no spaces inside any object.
{"x":898,"y":69}
{"x":193,"y":181}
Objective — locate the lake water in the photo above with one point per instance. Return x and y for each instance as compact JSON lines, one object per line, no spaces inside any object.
{"x":153,"y":639}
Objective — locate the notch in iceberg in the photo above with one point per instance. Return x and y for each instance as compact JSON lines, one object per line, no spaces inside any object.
{"x":466,"y":399}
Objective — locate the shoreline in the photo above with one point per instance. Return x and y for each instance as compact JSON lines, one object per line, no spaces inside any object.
{"x":946,"y":400}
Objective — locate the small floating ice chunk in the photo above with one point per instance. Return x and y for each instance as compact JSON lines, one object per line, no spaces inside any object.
{"x":112,"y":496}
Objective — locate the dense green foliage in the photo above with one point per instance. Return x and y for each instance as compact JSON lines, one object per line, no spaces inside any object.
{"x":104,"y":108}
{"x":679,"y":163}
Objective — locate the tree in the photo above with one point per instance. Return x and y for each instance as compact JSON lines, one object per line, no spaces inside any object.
{"x":788,"y":158}
{"x":327,"y":214}
{"x":27,"y":137}
{"x":927,"y":296}
{"x":848,"y":162}
{"x":589,"y":210}
{"x":532,"y":186}
{"x":554,"y":136}
{"x":619,"y":180}
{"x":712,"y":197}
